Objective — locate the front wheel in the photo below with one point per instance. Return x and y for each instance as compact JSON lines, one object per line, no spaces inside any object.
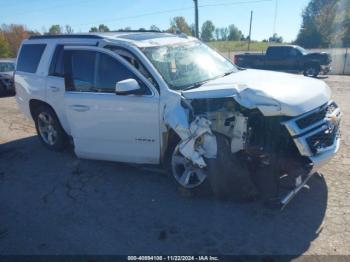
{"x":190,"y":179}
{"x":312,"y":70}
{"x":185,"y":173}
{"x":3,"y":90}
{"x":49,"y":129}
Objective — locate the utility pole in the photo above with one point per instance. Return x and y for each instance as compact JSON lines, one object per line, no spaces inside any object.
{"x":250,"y":29}
{"x":196,"y":18}
{"x":275,"y":17}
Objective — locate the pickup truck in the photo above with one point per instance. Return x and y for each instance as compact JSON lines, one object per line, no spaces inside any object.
{"x":288,"y":58}
{"x":7,"y":68}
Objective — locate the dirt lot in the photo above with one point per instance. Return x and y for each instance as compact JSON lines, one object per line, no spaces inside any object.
{"x":53,"y":203}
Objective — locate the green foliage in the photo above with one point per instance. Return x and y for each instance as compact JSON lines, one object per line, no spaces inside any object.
{"x":208,"y":29}
{"x":233,"y":46}
{"x":233,"y":33}
{"x":276,"y":39}
{"x":93,"y":29}
{"x":100,"y":28}
{"x":13,"y":34}
{"x":178,"y":24}
{"x":154,"y":28}
{"x":55,"y":30}
{"x":325,"y":24}
{"x":103,"y":28}
{"x":5,"y":50}
{"x":68,"y":29}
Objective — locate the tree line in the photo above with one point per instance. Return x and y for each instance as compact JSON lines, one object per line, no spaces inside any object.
{"x":326,"y":23}
{"x":12,"y":35}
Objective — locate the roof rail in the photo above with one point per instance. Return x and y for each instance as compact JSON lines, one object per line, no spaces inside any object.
{"x":137,"y":31}
{"x":86,"y":36}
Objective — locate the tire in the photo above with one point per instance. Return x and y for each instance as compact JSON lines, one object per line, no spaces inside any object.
{"x":312,"y":70}
{"x":230,"y":178}
{"x":49,"y":129}
{"x":226,"y":177}
{"x":3,"y":90}
{"x":201,"y":188}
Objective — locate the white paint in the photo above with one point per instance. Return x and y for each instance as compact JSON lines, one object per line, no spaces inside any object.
{"x":239,"y":133}
{"x":128,"y":128}
{"x":272,"y":92}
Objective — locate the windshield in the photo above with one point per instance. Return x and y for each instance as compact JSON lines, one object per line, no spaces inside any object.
{"x":7,"y":66}
{"x":186,"y":65}
{"x":302,"y":50}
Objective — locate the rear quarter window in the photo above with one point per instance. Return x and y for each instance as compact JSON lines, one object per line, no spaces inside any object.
{"x":29,"y":57}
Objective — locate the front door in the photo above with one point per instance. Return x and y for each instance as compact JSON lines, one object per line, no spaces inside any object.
{"x":105,"y":125}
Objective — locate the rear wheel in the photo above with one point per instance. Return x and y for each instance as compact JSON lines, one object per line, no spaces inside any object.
{"x":49,"y":129}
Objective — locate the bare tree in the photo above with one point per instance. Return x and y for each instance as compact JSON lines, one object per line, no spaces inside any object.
{"x":69,"y":30}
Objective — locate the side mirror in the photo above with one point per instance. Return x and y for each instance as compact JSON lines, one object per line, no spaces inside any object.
{"x":127,"y":87}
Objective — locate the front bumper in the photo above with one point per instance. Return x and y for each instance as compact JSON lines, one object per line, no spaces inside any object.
{"x":325,"y":69}
{"x":317,"y":137}
{"x":8,"y":84}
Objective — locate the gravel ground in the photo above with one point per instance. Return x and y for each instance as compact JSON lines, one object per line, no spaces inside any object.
{"x":53,"y":203}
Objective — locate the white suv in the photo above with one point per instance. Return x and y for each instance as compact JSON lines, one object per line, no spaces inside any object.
{"x":157,"y":98}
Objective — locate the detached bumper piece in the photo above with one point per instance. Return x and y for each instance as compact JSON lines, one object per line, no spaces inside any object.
{"x":317,"y":137}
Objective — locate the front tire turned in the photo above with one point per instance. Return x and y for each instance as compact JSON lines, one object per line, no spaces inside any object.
{"x":312,"y":70}
{"x":189,"y":179}
{"x":49,"y":129}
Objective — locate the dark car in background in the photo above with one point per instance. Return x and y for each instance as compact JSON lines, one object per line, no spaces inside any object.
{"x":7,"y":68}
{"x":287,"y":58}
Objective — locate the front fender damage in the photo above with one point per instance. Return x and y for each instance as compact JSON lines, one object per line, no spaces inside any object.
{"x":197,"y":139}
{"x":206,"y":149}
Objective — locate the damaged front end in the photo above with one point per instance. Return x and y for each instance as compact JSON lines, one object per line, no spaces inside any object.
{"x":244,"y":152}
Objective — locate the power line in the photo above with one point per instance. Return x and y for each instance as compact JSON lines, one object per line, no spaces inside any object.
{"x":235,"y":3}
{"x":136,"y":16}
{"x":172,"y":10}
{"x":47,"y":8}
{"x":275,"y":18}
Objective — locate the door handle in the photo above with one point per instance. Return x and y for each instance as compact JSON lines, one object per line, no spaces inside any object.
{"x":54,"y":88}
{"x":80,"y":108}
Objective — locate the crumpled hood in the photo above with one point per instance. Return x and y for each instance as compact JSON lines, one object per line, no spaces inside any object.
{"x":272,"y":93}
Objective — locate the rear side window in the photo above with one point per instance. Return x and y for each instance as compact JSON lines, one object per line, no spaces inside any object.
{"x":276,"y":52}
{"x":56,"y":67}
{"x":29,"y":57}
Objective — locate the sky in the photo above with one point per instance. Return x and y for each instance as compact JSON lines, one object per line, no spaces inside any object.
{"x":83,"y":14}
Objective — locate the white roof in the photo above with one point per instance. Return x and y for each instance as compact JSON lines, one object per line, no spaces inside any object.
{"x":139,"y":38}
{"x":7,"y":60}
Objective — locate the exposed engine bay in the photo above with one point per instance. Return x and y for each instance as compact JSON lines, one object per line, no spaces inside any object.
{"x":261,"y":145}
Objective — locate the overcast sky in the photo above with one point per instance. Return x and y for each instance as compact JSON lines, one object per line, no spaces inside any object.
{"x":82,"y":14}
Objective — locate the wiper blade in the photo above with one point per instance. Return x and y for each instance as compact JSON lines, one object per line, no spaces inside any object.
{"x":195,"y":85}
{"x":229,"y":73}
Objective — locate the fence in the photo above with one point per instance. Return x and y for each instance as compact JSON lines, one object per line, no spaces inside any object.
{"x":340,"y":59}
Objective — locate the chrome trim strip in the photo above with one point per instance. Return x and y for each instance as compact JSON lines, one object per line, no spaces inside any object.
{"x":293,"y":127}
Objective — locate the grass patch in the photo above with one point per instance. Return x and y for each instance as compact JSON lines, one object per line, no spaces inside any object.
{"x":232,"y":46}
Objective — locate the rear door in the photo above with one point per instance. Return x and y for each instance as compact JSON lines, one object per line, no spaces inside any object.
{"x":55,"y":85}
{"x":276,"y":58}
{"x":104,"y":125}
{"x":291,"y":62}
